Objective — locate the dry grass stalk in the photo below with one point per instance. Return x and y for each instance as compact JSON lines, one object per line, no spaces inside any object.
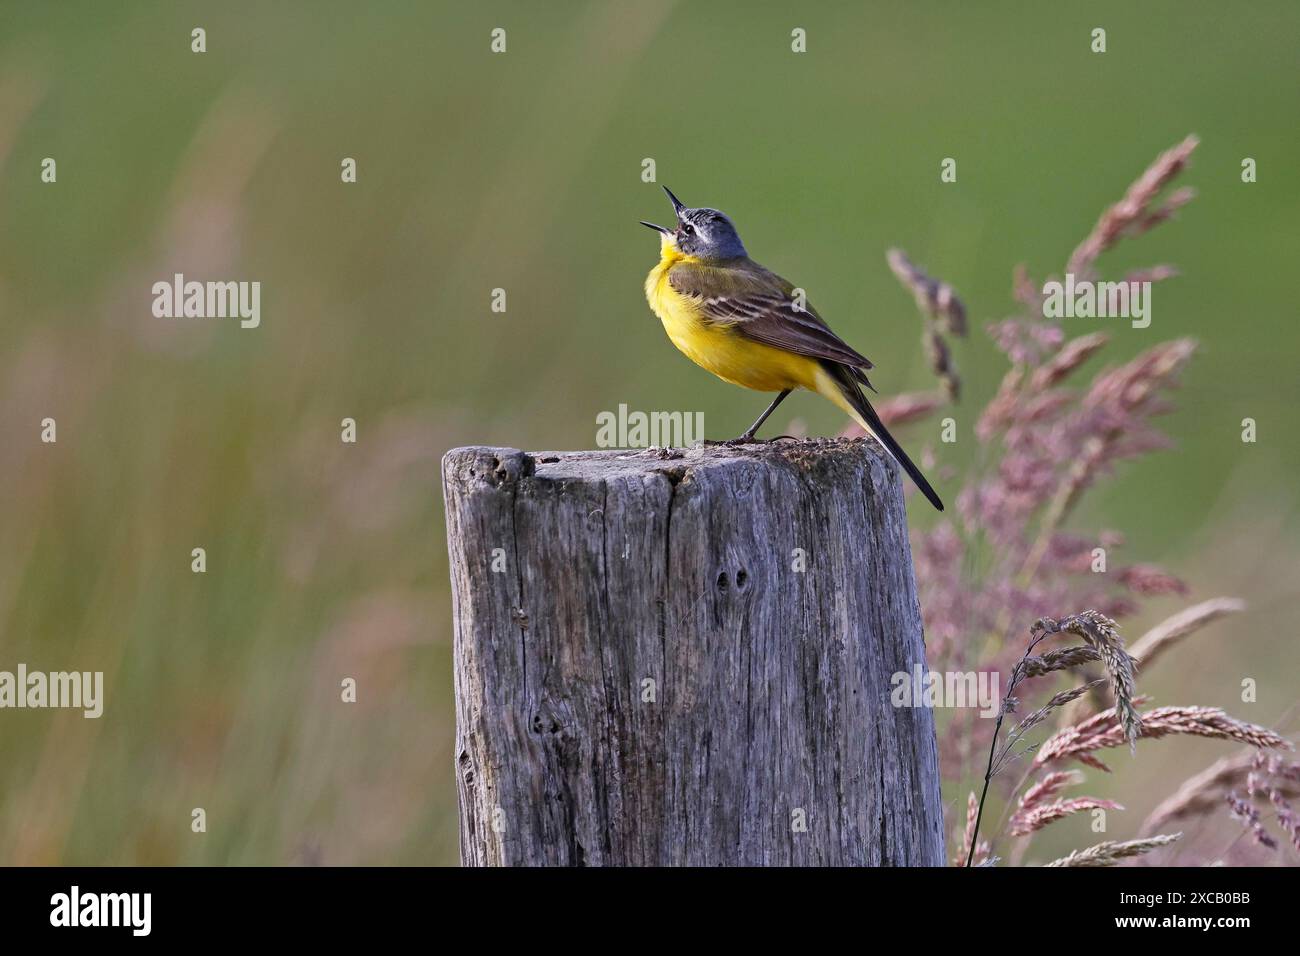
{"x":1255,"y":772}
{"x":941,"y":364}
{"x":1023,"y":824}
{"x":1048,"y":788}
{"x":1072,"y":354}
{"x":1170,"y":631}
{"x":933,"y":296}
{"x":1202,"y":792}
{"x":968,"y":834}
{"x":1082,"y":740}
{"x":1103,"y":636}
{"x":1038,"y":716}
{"x":1059,"y":660}
{"x":1047,"y":444}
{"x":1152,"y":274}
{"x":1038,"y":806}
{"x":909,"y":407}
{"x":1286,"y":817}
{"x":1099,"y":631}
{"x":1002,"y":406}
{"x":1025,"y":291}
{"x":1128,"y":390}
{"x":1111,"y":852}
{"x":966,"y":855}
{"x":1134,"y":215}
{"x":943,"y":310}
{"x":1245,"y":813}
{"x":1150,"y":579}
{"x":1272,"y":778}
{"x":1155,"y":642}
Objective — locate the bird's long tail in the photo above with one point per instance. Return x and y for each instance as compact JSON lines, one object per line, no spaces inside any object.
{"x":840,"y":387}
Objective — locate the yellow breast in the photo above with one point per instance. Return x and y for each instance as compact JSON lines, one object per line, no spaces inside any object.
{"x":717,"y":347}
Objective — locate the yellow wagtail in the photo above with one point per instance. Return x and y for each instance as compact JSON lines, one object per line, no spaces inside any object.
{"x":746,"y":325}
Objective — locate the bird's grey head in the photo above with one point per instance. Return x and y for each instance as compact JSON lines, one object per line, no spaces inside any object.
{"x":703,"y":233}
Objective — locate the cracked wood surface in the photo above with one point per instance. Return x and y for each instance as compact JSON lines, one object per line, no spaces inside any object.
{"x":649,"y":680}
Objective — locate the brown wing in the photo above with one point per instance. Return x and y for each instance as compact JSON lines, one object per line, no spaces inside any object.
{"x":761,"y":306}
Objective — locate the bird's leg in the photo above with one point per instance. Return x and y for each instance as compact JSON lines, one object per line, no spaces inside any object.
{"x":753,"y":429}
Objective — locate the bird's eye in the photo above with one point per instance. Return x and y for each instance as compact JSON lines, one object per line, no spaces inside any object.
{"x":687,"y":228}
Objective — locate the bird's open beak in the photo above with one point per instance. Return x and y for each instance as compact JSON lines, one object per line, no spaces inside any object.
{"x":678,"y":206}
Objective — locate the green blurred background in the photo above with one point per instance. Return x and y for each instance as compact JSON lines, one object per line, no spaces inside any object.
{"x":523,"y":171}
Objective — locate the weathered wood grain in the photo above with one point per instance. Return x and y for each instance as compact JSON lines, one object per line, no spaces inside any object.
{"x":648,"y":678}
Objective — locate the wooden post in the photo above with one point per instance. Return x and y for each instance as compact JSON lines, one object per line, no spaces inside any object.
{"x":685,"y":657}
